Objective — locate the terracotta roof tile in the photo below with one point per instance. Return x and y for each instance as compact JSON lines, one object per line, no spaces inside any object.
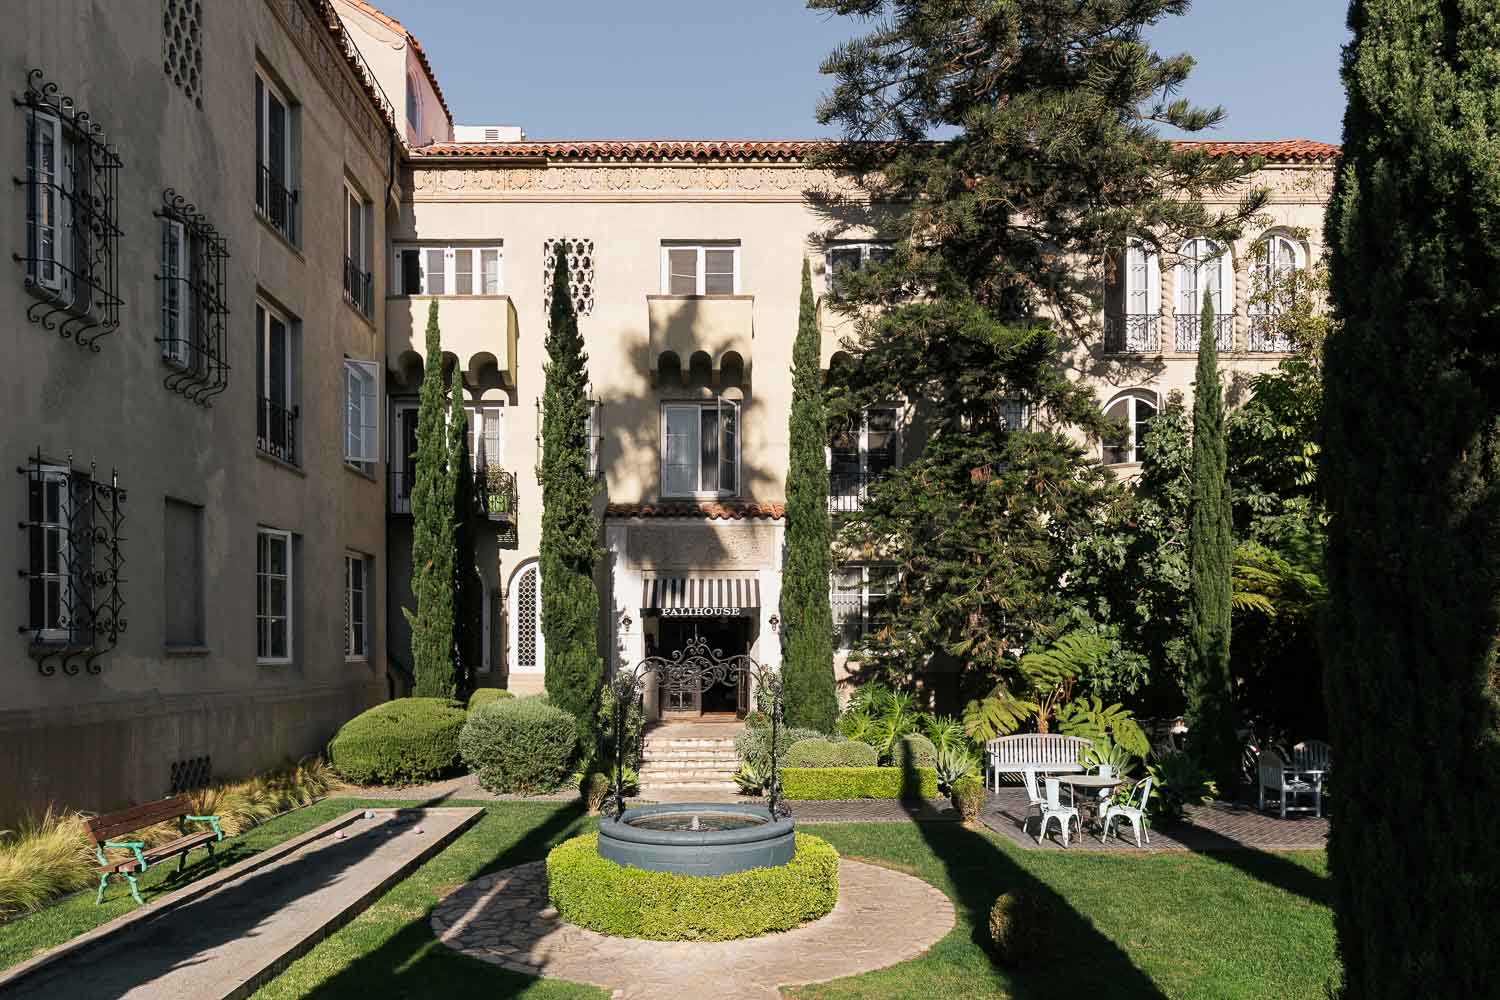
{"x":416,"y":46}
{"x":710,"y":510}
{"x":785,"y":150}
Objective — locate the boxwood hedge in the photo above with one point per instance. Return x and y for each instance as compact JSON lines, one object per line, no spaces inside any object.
{"x":521,"y":745}
{"x":399,"y":742}
{"x":483,"y":696}
{"x":596,"y":893}
{"x":858,"y":783}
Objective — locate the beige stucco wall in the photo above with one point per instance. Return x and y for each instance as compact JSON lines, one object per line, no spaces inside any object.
{"x":103,"y":741}
{"x":395,"y":64}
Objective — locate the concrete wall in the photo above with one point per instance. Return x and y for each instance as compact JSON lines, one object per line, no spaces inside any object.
{"x":106,"y":740}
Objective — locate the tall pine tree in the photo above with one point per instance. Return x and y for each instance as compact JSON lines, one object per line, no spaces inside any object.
{"x":468,"y":623}
{"x":1411,"y":399}
{"x":807,"y":619}
{"x":432,"y":534}
{"x":570,"y":528}
{"x":1210,"y":714}
{"x":1054,"y":159}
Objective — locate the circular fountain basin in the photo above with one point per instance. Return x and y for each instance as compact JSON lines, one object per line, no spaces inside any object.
{"x":728,"y":838}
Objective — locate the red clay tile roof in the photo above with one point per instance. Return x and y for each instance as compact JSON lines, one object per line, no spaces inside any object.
{"x":416,"y":46}
{"x":351,"y":54}
{"x":785,"y":150}
{"x":712,"y":511}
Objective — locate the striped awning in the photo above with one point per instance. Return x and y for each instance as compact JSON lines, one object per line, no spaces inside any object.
{"x":702,"y":596}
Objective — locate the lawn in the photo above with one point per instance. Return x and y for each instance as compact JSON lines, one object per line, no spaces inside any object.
{"x":1242,"y":924}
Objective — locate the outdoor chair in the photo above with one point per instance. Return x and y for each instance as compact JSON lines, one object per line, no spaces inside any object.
{"x":1034,"y":799}
{"x":1053,"y":808}
{"x":1276,"y":776}
{"x":1312,"y":755}
{"x":1134,"y":810}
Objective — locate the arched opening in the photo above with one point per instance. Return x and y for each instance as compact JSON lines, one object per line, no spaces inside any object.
{"x":1132,"y":413}
{"x":526,"y":653}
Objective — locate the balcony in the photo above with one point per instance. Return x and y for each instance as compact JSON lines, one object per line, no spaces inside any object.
{"x":719,"y":327}
{"x":478,"y":330}
{"x":847,"y":491}
{"x":276,"y":431}
{"x":1189,"y":334}
{"x":1132,"y":333}
{"x":494,"y":496}
{"x":1266,"y":336}
{"x":276,"y":204}
{"x":359,"y":289}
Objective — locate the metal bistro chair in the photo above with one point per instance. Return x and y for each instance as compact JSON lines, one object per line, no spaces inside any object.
{"x":1134,"y":811}
{"x":1034,"y":798}
{"x":1052,"y":808}
{"x":1284,"y":781}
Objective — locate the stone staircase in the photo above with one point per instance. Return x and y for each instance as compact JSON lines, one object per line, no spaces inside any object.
{"x":687,"y":764}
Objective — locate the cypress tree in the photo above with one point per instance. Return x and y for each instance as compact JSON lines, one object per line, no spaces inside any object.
{"x":468,"y":624}
{"x":1210,"y":554}
{"x":807,"y":619}
{"x":570,"y":529}
{"x":1411,"y":398}
{"x":432,"y":534}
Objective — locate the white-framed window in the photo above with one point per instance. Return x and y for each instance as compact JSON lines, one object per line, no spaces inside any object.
{"x":1276,"y":257}
{"x":361,"y":414}
{"x":357,"y":591}
{"x":1132,"y":299}
{"x":527,"y":652}
{"x":700,"y":449}
{"x":51,"y":179}
{"x":177,"y":294}
{"x":359,"y":288}
{"x":863,"y":449}
{"x":860,"y":599}
{"x":700,"y":268}
{"x":852,"y":256}
{"x":1132,"y":411}
{"x":1142,"y":280}
{"x":276,"y":381}
{"x":273,"y":595}
{"x":275,"y":146}
{"x":59,"y":596}
{"x":486,"y":435}
{"x":403,"y":454}
{"x":1205,"y":266}
{"x":436,"y":269}
{"x":413,"y":106}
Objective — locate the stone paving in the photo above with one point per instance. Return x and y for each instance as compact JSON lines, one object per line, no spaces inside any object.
{"x":882,"y":918}
{"x":1214,"y":827}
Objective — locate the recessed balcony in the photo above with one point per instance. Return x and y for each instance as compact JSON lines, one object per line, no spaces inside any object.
{"x":477,"y":330}
{"x":690,"y":331}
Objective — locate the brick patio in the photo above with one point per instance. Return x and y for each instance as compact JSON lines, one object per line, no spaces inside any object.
{"x":1218,"y":826}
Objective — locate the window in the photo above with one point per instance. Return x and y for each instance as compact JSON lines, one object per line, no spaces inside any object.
{"x":182,"y":583}
{"x":358,"y":284}
{"x":403,"y":456}
{"x":708,"y":269}
{"x":176,"y":294}
{"x":275,"y":194}
{"x":852,"y":257}
{"x":486,"y":435}
{"x":861,"y":602}
{"x":273,"y":596}
{"x":413,"y":107}
{"x":1132,"y":304}
{"x":58,"y":577}
{"x":448,"y":270}
{"x":1276,"y":259}
{"x":861,"y":451}
{"x":357,"y":577}
{"x":527,"y":653}
{"x":276,"y":371}
{"x":596,"y":435}
{"x":1205,"y":267}
{"x":361,"y":423}
{"x":192,"y":299}
{"x":700,"y":449}
{"x":1132,"y":413}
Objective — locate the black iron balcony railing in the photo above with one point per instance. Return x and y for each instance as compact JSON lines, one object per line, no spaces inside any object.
{"x":847,"y":491}
{"x":358,"y":288}
{"x":1266,"y":336}
{"x":275,"y":203}
{"x":494,"y":492}
{"x":276,"y":431}
{"x":1132,"y":333}
{"x":1190,"y":334}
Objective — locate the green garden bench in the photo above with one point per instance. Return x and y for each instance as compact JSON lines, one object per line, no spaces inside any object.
{"x":104,"y":829}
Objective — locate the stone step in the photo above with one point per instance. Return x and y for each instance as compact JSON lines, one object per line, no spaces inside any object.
{"x":677,"y":789}
{"x":650,"y":754}
{"x":688,"y":776}
{"x":676,"y":763}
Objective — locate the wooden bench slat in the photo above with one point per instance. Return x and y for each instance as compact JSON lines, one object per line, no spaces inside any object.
{"x":161,"y":851}
{"x":110,"y":825}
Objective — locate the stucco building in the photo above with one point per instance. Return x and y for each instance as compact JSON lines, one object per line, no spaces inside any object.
{"x":220,"y":298}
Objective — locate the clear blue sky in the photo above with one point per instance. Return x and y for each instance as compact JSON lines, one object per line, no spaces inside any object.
{"x":749,"y":69}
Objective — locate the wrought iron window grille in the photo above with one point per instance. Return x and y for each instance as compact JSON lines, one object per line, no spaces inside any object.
{"x":71,"y":258}
{"x":74,"y":568}
{"x":194,"y":302}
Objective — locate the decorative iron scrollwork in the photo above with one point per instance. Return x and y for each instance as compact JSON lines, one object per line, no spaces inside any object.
{"x":695,"y":668}
{"x":194,"y":303}
{"x":74,"y":568}
{"x":72,"y":232}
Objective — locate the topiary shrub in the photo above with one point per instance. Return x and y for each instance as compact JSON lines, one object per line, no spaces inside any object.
{"x":857,"y":783}
{"x":483,"y":696}
{"x":815,"y":752}
{"x":521,"y":745}
{"x":400,"y":742}
{"x":593,"y":788}
{"x":754,"y":745}
{"x":914,"y":750}
{"x":968,"y":797}
{"x":1022,"y":930}
{"x":852,"y":753}
{"x":596,"y":893}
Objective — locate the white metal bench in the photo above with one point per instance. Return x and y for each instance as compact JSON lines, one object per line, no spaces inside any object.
{"x":1049,"y":752}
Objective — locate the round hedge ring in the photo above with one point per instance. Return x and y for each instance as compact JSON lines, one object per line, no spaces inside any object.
{"x":596,"y":893}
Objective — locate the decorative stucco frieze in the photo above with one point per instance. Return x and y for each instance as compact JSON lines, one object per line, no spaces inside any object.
{"x":625,"y":181}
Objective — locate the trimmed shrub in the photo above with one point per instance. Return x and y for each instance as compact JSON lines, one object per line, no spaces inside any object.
{"x":484,"y":696}
{"x":400,"y":742}
{"x":968,"y":797}
{"x":852,"y":753}
{"x":521,"y":745}
{"x":593,"y":788}
{"x":1021,"y":930}
{"x":914,"y":750}
{"x":856,"y":783}
{"x":596,"y":893}
{"x":754,"y":745}
{"x":812,"y":753}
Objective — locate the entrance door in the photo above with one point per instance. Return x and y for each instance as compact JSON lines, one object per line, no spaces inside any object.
{"x":729,"y":637}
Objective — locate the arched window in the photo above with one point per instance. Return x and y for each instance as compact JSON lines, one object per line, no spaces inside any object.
{"x":1204,"y":267}
{"x":1132,"y":411}
{"x":524,"y":610}
{"x":1277,"y":257}
{"x":1133,"y":300}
